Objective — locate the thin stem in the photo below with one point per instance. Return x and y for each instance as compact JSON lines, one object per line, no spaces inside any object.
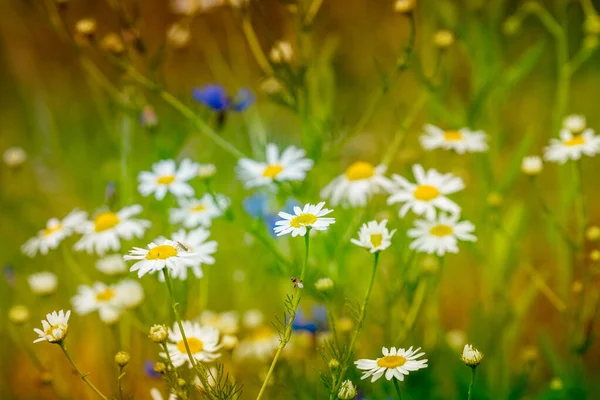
{"x":472,"y":382}
{"x":413,"y":312}
{"x":120,"y":382}
{"x":397,"y":386}
{"x":581,"y":206}
{"x":312,"y":11}
{"x":81,"y":374}
{"x":257,"y":51}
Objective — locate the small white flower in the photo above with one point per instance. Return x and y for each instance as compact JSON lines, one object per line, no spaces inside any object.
{"x":260,"y":345}
{"x":440,"y":235}
{"x":55,"y":231}
{"x":54,"y":327}
{"x":357,"y":185}
{"x":281,"y":52}
{"x":129,"y":293}
{"x":532,"y":165}
{"x":112,"y":265}
{"x":471,"y":356}
{"x":324,"y":284}
{"x":13,"y":157}
{"x":374,"y":236}
{"x":461,"y":141}
{"x":226,"y":322}
{"x":427,"y":194}
{"x":252,"y":318}
{"x":206,"y":171}
{"x":572,"y":146}
{"x":108,"y":228}
{"x":311,"y":216}
{"x":395,"y":363}
{"x":156,"y":257}
{"x":43,"y":283}
{"x":574,"y":123}
{"x":203,"y":342}
{"x":198,"y":212}
{"x":166,"y":177}
{"x":98,"y":297}
{"x":347,"y":391}
{"x":290,"y":165}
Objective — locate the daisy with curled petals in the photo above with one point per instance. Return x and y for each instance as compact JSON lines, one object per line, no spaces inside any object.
{"x":203,"y":342}
{"x":427,"y":194}
{"x":575,"y":141}
{"x":440,"y":235}
{"x":311,"y":216}
{"x":395,"y":363}
{"x":54,"y":327}
{"x":166,"y":177}
{"x":56,"y":230}
{"x":461,"y":141}
{"x":290,"y":165}
{"x":198,"y":212}
{"x":374,"y":236}
{"x":194,"y":241}
{"x":108,"y":228}
{"x":357,"y":185}
{"x":168,"y":254}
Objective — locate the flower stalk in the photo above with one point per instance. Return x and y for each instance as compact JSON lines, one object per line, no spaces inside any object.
{"x":81,"y":374}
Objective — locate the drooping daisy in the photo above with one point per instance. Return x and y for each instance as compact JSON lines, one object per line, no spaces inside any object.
{"x":572,"y":146}
{"x":168,"y":254}
{"x":374,"y":236}
{"x":427,"y":194}
{"x":290,"y":165}
{"x":166,"y":177}
{"x":43,"y":283}
{"x":55,"y":231}
{"x":112,"y":265}
{"x":54,"y":327}
{"x":309,"y":217}
{"x":98,"y":297}
{"x":462,"y":141}
{"x":395,"y":363}
{"x":440,"y":235}
{"x":105,"y":231}
{"x":357,"y":185}
{"x":202,"y":340}
{"x":198,"y":212}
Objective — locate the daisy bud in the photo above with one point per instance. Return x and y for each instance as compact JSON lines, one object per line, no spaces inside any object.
{"x":347,"y":391}
{"x":495,"y":199}
{"x":334,"y":363}
{"x":18,"y":314}
{"x":206,"y":171}
{"x":592,"y":233}
{"x":179,"y":36}
{"x":324,"y":284}
{"x":404,"y":6}
{"x":471,"y":356}
{"x":14,"y":157}
{"x":181,"y":382}
{"x":443,"y":39}
{"x":511,"y":26}
{"x":592,"y":24}
{"x":229,"y":342}
{"x":282,"y":52}
{"x":160,"y":367}
{"x":112,"y":43}
{"x":158,"y":333}
{"x":86,"y":28}
{"x":532,"y":165}
{"x":556,"y":384}
{"x":122,"y":358}
{"x":595,"y":255}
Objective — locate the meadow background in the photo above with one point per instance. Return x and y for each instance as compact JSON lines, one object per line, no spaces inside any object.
{"x":519,"y":294}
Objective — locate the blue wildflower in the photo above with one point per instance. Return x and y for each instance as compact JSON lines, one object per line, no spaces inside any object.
{"x":149,"y":369}
{"x":257,"y":205}
{"x":215,"y":97}
{"x":301,"y":323}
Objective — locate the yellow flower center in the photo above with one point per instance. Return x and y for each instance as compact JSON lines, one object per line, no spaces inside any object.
{"x":196,"y":345}
{"x":198,"y":208}
{"x":426,"y":192}
{"x":52,"y":229}
{"x":360,"y":170}
{"x":105,"y":220}
{"x":272,"y":171}
{"x":161,"y":252}
{"x":303,"y":220}
{"x":391,"y":361}
{"x":452,"y":136}
{"x":105,"y":295}
{"x":575,"y":141}
{"x":441,"y":230}
{"x":376,"y":239}
{"x":165,"y":180}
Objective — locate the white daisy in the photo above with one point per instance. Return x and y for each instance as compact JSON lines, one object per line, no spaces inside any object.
{"x":195,"y":212}
{"x":203,"y":342}
{"x":98,"y":297}
{"x":112,"y":265}
{"x":43,"y":283}
{"x":471,"y":356}
{"x":290,"y":165}
{"x":462,"y":141}
{"x":166,"y":177}
{"x":532,"y":165}
{"x":572,"y":146}
{"x":395,"y":363}
{"x":374,"y":236}
{"x":55,"y":231}
{"x":427,"y":194}
{"x":105,"y":231}
{"x":440,"y":235}
{"x":194,"y":242}
{"x":309,"y":217}
{"x":168,"y":254}
{"x":260,"y":345}
{"x":574,"y":123}
{"x":129,"y":293}
{"x":226,"y":322}
{"x":54,"y":327}
{"x":357,"y":185}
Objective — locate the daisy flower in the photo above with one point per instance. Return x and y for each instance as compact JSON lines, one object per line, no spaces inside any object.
{"x":51,"y":236}
{"x":572,"y":145}
{"x":471,"y":356}
{"x":98,"y":297}
{"x":195,"y":212}
{"x":374,"y":236}
{"x":427,"y":194}
{"x":309,"y":217}
{"x":532,"y":165}
{"x":395,"y":363}
{"x":112,"y":265}
{"x":43,"y":283}
{"x":202,"y":340}
{"x":357,"y":185}
{"x":105,"y":231}
{"x":461,"y":141}
{"x":54,"y":327}
{"x":259,"y":345}
{"x":226,"y":322}
{"x":290,"y":165}
{"x":440,"y":235}
{"x":166,"y":177}
{"x":129,"y":293}
{"x":574,"y":123}
{"x":168,"y":254}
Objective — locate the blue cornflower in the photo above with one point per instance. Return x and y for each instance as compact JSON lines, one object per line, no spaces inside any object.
{"x":318,"y":322}
{"x":149,"y":369}
{"x":256,"y":205}
{"x":215,"y":97}
{"x":300,"y":323}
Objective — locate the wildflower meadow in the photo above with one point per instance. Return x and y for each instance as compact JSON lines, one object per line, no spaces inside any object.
{"x":299,"y":199}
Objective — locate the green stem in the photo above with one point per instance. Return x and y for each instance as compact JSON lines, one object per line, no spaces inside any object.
{"x":472,"y":382}
{"x":581,"y":207}
{"x":312,"y":11}
{"x":81,"y":374}
{"x":254,"y":44}
{"x":413,"y":312}
{"x":397,"y":386}
{"x":120,"y":382}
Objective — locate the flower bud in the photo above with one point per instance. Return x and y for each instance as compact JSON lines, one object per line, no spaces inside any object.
{"x":18,"y":314}
{"x":511,"y":26}
{"x":159,"y":333}
{"x":334,"y":363}
{"x":122,"y":358}
{"x":471,"y":356}
{"x":556,"y":384}
{"x":14,"y":157}
{"x":85,"y":28}
{"x":206,"y":171}
{"x":347,"y":391}
{"x":229,"y":342}
{"x":112,"y":43}
{"x":532,"y":165}
{"x":179,"y":36}
{"x":281,"y":52}
{"x":180,"y":382}
{"x":160,"y":367}
{"x":592,"y":233}
{"x":404,"y":6}
{"x":443,"y":39}
{"x":324,"y":284}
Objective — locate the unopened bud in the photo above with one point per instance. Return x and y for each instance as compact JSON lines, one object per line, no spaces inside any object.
{"x":86,"y":27}
{"x":404,"y":6}
{"x":180,"y":382}
{"x":334,"y":363}
{"x":593,"y":233}
{"x":158,"y":333}
{"x":160,"y":367}
{"x":112,"y":43}
{"x":122,"y":358}
{"x":18,"y":314}
{"x":443,"y":39}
